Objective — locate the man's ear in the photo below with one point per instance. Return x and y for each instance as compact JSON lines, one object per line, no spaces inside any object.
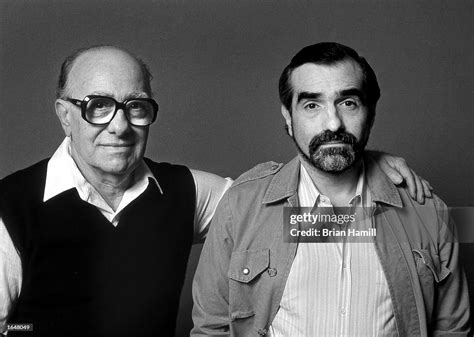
{"x":287,"y":115}
{"x":62,"y":112}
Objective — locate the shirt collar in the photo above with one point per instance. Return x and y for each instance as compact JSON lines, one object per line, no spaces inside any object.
{"x":310,"y":187}
{"x":285,"y":183}
{"x":63,"y":174}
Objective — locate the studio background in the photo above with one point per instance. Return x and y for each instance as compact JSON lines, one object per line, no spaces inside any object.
{"x":216,"y":66}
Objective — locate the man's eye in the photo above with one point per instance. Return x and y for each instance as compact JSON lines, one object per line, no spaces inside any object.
{"x":101,"y":104}
{"x":136,"y":105}
{"x":349,"y":104}
{"x":311,"y":106}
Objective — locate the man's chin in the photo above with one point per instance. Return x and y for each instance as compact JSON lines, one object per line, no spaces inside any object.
{"x":333,"y":164}
{"x":117,"y":166}
{"x":334,"y":160}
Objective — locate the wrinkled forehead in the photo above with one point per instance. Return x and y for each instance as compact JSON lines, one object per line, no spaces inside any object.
{"x":326,"y":78}
{"x":109,"y":72}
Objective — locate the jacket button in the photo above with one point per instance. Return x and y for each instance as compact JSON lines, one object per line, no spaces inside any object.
{"x":272,"y":272}
{"x":246,"y":271}
{"x":274,"y":167}
{"x":262,"y":332}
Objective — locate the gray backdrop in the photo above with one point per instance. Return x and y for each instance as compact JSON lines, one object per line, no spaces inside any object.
{"x":216,"y":65}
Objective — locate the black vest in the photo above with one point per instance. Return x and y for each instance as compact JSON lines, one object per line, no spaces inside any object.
{"x":84,"y":277}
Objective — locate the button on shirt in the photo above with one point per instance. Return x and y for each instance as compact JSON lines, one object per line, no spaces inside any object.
{"x":335,"y":288}
{"x":63,"y":174}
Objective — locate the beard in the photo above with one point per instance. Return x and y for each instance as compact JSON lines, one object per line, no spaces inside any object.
{"x":334,"y":159}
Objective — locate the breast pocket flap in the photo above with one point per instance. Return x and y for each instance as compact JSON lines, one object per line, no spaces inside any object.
{"x":246,"y":265}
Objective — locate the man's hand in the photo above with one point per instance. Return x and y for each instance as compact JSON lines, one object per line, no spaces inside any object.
{"x":397,"y":170}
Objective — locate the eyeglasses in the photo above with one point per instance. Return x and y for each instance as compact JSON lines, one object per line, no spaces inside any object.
{"x":100,"y":110}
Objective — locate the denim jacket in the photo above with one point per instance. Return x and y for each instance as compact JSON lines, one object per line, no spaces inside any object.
{"x":245,"y":261}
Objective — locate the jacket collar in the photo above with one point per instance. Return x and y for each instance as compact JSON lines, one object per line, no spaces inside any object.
{"x":285,"y":183}
{"x":380,"y":186}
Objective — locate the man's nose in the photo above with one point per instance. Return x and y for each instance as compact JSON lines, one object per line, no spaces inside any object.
{"x":333,"y":119}
{"x":119,"y":124}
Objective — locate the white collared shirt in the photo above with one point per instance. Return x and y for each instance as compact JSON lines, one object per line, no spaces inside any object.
{"x":63,"y":174}
{"x":335,"y":288}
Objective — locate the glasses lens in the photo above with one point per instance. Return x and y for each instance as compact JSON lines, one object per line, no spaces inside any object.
{"x":100,"y":110}
{"x":140,"y":112}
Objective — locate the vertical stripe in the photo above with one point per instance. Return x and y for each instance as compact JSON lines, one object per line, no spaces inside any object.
{"x":335,"y":289}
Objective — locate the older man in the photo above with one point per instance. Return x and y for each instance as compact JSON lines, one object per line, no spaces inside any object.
{"x":102,"y":235}
{"x":259,"y":275}
{"x":95,"y":240}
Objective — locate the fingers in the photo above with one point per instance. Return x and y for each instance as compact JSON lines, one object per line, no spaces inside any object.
{"x":391,"y":172}
{"x":409,"y":177}
{"x":398,"y":171}
{"x":420,"y":193}
{"x":396,"y":168}
{"x":427,"y":188}
{"x":394,"y":176}
{"x":429,"y":185}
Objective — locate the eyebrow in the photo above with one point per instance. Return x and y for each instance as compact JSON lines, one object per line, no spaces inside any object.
{"x":131,"y":95}
{"x":138,"y":95}
{"x":305,"y":95}
{"x":352,"y":92}
{"x":308,"y":95}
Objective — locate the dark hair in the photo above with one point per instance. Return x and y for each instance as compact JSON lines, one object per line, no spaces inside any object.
{"x":329,"y":53}
{"x":69,"y":61}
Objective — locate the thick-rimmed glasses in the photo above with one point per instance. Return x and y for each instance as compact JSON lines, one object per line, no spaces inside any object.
{"x":100,"y":110}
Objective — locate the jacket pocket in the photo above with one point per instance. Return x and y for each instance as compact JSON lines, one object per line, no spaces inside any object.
{"x":244,"y":274}
{"x":431,"y":271}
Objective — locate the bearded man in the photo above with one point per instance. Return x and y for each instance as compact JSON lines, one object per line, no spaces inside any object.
{"x":403,"y":281}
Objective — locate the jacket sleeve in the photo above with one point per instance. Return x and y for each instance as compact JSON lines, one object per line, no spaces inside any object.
{"x":210,"y":284}
{"x":451,"y":314}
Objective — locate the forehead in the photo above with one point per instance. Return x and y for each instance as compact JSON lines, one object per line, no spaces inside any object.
{"x":326,"y":79}
{"x":109,"y":72}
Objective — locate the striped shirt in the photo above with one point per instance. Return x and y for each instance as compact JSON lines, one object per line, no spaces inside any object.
{"x":335,"y":288}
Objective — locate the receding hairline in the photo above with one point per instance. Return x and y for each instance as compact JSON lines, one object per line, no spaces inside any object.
{"x":70,"y":61}
{"x":104,"y":49}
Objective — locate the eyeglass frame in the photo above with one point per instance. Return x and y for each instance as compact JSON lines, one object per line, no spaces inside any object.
{"x":118,"y":105}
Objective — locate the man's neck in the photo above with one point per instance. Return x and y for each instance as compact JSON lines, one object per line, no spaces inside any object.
{"x":340,"y":188}
{"x":110,"y":186}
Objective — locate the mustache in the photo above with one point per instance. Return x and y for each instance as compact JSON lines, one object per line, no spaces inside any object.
{"x":330,"y":136}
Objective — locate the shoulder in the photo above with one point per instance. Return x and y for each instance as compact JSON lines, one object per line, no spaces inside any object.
{"x":167,"y":170}
{"x":171,"y":176}
{"x":435,"y":203}
{"x":164,"y":166}
{"x":25,"y":176}
{"x":208,"y":183}
{"x":260,"y":172}
{"x":25,"y":185}
{"x":429,"y":218}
